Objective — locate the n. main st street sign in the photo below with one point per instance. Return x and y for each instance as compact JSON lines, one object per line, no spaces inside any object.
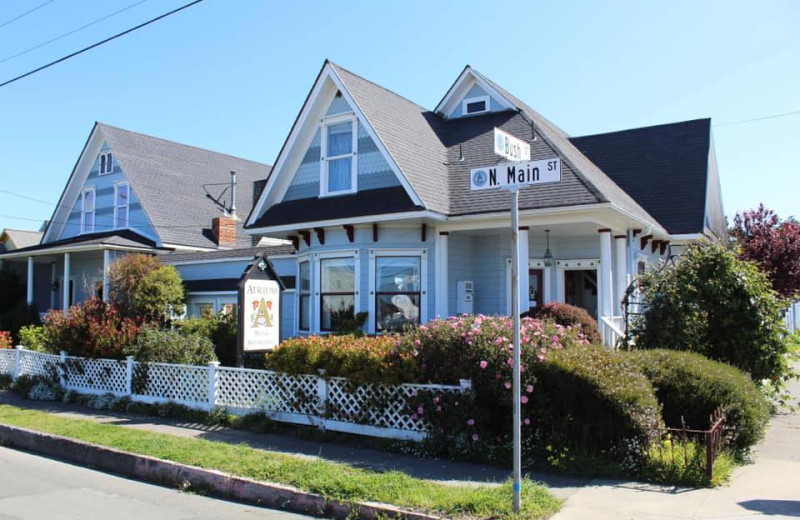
{"x":506,"y":175}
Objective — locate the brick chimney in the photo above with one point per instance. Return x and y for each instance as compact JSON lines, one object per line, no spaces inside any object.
{"x":224,"y":229}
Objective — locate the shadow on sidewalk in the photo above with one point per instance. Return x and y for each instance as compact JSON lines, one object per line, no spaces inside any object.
{"x":773,"y":507}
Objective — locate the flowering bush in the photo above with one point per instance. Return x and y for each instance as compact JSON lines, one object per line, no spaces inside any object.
{"x":94,"y":329}
{"x":570,"y":315}
{"x":5,"y":339}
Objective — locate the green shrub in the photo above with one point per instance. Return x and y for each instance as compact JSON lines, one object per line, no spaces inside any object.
{"x":33,"y":337}
{"x":140,"y":285}
{"x":93,"y":329}
{"x":157,"y":345}
{"x":220,"y":329}
{"x":692,"y":387}
{"x":714,"y":304}
{"x":569,"y":316}
{"x":6,"y":381}
{"x":39,"y":388}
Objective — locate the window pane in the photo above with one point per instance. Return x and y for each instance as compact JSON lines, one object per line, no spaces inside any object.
{"x":338,"y":275}
{"x":336,"y":309}
{"x":305,"y":312}
{"x":340,"y":139}
{"x":109,"y":163}
{"x":395,"y":311}
{"x":398,"y":274}
{"x":122,"y":217}
{"x":478,"y":106}
{"x":102,"y":163}
{"x":122,"y":195}
{"x":340,"y":174}
{"x":305,"y":277}
{"x":88,"y":221}
{"x":88,"y":200}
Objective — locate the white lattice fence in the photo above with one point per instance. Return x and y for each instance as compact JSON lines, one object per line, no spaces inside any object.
{"x":38,"y":364}
{"x":8,"y":361}
{"x":95,"y":376}
{"x":246,"y":389}
{"x":161,"y":382}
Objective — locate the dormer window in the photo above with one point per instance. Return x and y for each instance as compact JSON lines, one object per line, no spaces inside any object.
{"x":87,"y":210}
{"x":339,"y":147}
{"x":476,"y":105}
{"x":121,"y":204}
{"x":106,"y":163}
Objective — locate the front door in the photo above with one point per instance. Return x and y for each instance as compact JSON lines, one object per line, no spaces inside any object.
{"x":580,"y":289}
{"x":535,"y":283}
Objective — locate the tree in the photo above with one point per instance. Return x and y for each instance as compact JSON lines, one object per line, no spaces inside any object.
{"x":141,"y":285}
{"x":717,"y":305}
{"x":772,"y":243}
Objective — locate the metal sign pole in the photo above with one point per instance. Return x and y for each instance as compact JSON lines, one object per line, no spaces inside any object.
{"x":515,"y":273}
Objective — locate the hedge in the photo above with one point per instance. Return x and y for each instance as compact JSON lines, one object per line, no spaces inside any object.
{"x":569,"y":315}
{"x":692,"y":386}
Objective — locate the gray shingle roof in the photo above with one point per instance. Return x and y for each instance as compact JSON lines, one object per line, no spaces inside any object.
{"x":22,"y":238}
{"x":120,"y":238}
{"x":249,"y":252}
{"x":168,"y":179}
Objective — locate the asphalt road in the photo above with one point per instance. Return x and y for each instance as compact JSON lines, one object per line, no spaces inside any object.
{"x":33,"y":487}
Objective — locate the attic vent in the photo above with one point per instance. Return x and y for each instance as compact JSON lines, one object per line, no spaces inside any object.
{"x":476,"y":105}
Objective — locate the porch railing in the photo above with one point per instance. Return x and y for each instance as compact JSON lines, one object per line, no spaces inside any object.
{"x":611,"y":330}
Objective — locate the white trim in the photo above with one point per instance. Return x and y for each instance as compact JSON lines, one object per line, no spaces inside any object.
{"x":127,"y":205}
{"x":461,"y":86}
{"x":75,"y":249}
{"x":304,"y":259}
{"x":547,"y":277}
{"x":317,"y":296}
{"x":84,"y":211}
{"x":193,"y":249}
{"x":442,"y":274}
{"x":324,"y":159}
{"x":422,"y":254}
{"x":487,"y":100}
{"x":354,"y":220}
{"x":578,"y":264}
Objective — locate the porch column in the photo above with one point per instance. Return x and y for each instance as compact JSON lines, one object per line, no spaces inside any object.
{"x":106,"y":264}
{"x":52,"y":285}
{"x":620,"y":272}
{"x":606,"y":269}
{"x":65,"y":283}
{"x":522,"y":262}
{"x":442,"y":285}
{"x":30,"y":281}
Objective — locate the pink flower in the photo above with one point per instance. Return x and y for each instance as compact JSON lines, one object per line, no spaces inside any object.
{"x":510,"y":362}
{"x":420,"y":410}
{"x":524,"y":399}
{"x":436,"y":399}
{"x":484,"y":364}
{"x":438,"y":408}
{"x":474,"y":436}
{"x":417,"y":342}
{"x":527,"y":421}
{"x":508,"y":385}
{"x":414,"y":416}
{"x":470,"y":422}
{"x":529,"y":388}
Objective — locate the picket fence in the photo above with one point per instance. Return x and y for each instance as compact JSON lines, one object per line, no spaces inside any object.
{"x":333,"y":404}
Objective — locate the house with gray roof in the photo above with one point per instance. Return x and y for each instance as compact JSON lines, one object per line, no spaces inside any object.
{"x":374,"y":192}
{"x":134,"y":193}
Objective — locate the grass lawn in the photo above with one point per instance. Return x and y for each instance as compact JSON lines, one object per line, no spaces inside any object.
{"x":333,"y":480}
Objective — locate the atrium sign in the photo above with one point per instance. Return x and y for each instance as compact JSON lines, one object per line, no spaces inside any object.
{"x":507,"y":175}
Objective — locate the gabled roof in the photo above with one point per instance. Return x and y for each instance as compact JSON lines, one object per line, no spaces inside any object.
{"x":21,"y":238}
{"x":664,"y":167}
{"x":168,"y":179}
{"x":120,"y":239}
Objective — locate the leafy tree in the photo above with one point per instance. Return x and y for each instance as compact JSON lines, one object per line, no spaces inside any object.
{"x":141,"y":285}
{"x":772,"y":243}
{"x":715,"y":304}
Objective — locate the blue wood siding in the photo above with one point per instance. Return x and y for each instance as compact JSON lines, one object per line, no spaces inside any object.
{"x":373,"y":170}
{"x":104,"y":204}
{"x":475,"y":91}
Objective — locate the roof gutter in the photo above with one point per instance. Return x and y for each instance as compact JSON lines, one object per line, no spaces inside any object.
{"x":73,"y":249}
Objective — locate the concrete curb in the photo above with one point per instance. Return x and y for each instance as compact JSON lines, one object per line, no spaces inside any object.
{"x":215,"y":483}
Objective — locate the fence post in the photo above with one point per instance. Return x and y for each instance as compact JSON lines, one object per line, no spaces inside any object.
{"x":212,"y":383}
{"x":710,"y":453}
{"x":129,"y":375}
{"x":465,"y":384}
{"x":62,"y":370}
{"x":322,"y":397}
{"x":18,"y":361}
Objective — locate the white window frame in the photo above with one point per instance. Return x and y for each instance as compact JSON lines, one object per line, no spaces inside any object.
{"x":477,"y":99}
{"x":299,"y":292}
{"x":127,"y":204}
{"x":109,"y":163}
{"x":324,"y":159}
{"x":84,"y":211}
{"x":547,"y":273}
{"x":316,"y":283}
{"x":585,"y":264}
{"x":423,"y":283}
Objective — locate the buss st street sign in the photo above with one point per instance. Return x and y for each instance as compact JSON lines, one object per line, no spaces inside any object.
{"x":507,"y":175}
{"x":510,"y":147}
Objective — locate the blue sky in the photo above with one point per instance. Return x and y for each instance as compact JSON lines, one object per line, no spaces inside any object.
{"x":231,"y":75}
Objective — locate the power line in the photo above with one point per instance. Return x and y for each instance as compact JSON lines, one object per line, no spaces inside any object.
{"x":784,"y":114}
{"x":48,"y":42}
{"x":26,"y":13}
{"x":9,"y":192}
{"x":90,"y":47}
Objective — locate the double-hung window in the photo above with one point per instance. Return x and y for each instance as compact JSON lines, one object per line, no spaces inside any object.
{"x":304,"y":295}
{"x":398,"y":285}
{"x":106,"y":163}
{"x":337,"y":291}
{"x":121,"y":204}
{"x":87,"y":210}
{"x":338,"y":153}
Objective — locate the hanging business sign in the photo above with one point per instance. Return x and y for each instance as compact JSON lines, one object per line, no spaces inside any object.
{"x":259,"y":308}
{"x":510,"y":147}
{"x":506,"y":175}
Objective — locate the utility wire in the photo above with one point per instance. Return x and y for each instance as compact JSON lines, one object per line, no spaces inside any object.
{"x":26,"y":13}
{"x":784,"y":114}
{"x":90,"y":47}
{"x":48,"y":42}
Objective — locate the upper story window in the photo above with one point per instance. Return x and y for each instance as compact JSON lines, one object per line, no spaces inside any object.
{"x":121,"y":204}
{"x":338,"y":153}
{"x":87,"y":210}
{"x":106,"y":163}
{"x":476,"y":105}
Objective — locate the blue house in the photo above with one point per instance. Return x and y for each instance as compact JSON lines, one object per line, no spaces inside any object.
{"x":133,"y":193}
{"x":373,"y":190}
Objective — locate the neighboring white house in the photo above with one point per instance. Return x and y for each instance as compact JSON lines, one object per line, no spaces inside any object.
{"x":374,"y":192}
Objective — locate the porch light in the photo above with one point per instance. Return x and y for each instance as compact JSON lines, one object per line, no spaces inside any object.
{"x":548,"y":256}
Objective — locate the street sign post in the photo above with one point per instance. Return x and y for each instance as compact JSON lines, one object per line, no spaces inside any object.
{"x":512,"y":176}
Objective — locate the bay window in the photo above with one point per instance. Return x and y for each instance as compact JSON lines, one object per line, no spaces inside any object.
{"x":338,"y":155}
{"x":337,"y":292}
